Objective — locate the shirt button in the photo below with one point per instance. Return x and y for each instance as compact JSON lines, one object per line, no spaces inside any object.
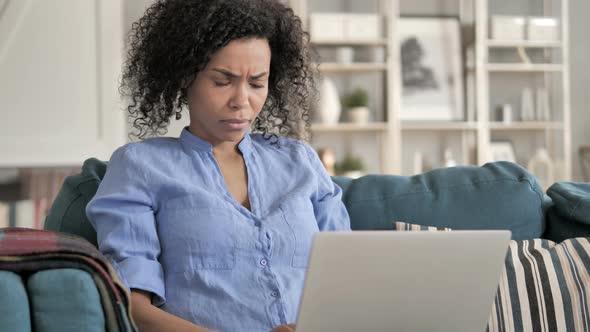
{"x":257,"y":224}
{"x":263,"y":262}
{"x":274,"y":294}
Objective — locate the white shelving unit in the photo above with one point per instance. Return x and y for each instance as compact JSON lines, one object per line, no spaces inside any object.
{"x":383,"y":133}
{"x":555,"y":132}
{"x":472,"y":137}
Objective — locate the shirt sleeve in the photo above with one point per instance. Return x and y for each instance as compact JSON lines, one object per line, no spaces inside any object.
{"x":122,"y":215}
{"x":329,"y":210}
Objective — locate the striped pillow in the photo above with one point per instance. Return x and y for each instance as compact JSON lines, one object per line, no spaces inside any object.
{"x":544,"y":286}
{"x":404,"y":226}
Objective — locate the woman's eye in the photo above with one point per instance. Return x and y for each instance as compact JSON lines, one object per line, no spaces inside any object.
{"x":256,"y":86}
{"x":221,"y":83}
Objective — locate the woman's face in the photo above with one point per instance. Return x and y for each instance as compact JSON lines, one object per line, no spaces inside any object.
{"x":230,"y":91}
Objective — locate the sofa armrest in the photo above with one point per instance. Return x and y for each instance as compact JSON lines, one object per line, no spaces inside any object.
{"x":569,"y":213}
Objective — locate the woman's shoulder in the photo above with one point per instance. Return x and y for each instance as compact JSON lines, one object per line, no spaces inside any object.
{"x":151,"y":148}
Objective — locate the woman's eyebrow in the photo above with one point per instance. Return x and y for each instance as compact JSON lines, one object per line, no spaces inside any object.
{"x":255,"y":77}
{"x":232,"y":75}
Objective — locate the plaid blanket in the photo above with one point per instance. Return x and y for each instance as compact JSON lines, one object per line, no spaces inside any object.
{"x":29,"y":250}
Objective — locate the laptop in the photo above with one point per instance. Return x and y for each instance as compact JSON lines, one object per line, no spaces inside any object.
{"x":374,"y":281}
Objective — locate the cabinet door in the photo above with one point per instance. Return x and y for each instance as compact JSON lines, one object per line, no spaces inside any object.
{"x":60,"y":64}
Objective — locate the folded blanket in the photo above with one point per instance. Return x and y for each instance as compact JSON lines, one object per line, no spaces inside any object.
{"x":25,"y":250}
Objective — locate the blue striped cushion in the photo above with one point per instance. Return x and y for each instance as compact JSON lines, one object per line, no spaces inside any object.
{"x":404,"y":226}
{"x":544,"y":286}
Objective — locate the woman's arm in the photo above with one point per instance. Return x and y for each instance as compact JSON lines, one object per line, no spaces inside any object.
{"x":150,"y":318}
{"x":328,"y":207}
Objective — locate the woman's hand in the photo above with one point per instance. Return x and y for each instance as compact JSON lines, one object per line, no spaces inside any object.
{"x":284,"y":328}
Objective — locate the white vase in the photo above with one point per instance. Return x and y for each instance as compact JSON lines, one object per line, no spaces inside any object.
{"x":506,"y":113}
{"x":543,"y":109}
{"x":527,"y":107}
{"x":449,"y":160}
{"x":353,"y":174}
{"x":542,"y":167}
{"x":329,"y":106}
{"x":378,"y":54}
{"x":345,"y":55}
{"x":418,"y":162}
{"x":359,"y":115}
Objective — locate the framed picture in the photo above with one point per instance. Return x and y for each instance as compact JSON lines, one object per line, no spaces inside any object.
{"x":431,"y":65}
{"x":502,"y":151}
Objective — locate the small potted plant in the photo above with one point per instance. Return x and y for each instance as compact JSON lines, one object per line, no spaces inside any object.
{"x":351,"y":166}
{"x":356,"y":104}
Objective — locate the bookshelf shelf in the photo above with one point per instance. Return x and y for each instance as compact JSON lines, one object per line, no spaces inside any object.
{"x":353,"y":67}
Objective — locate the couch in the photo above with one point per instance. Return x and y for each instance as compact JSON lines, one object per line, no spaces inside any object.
{"x":498,"y":195}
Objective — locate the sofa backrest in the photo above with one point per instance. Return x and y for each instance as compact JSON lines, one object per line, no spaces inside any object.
{"x":498,"y":195}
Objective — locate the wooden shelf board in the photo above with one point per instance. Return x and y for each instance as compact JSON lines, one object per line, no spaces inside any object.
{"x":353,"y":67}
{"x":335,"y":42}
{"x":349,"y":127}
{"x":441,"y":126}
{"x":523,"y":67}
{"x":528,"y":125}
{"x":523,"y":43}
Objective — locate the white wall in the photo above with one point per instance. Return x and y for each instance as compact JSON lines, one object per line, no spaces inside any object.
{"x":580,"y":79}
{"x":58,"y":70}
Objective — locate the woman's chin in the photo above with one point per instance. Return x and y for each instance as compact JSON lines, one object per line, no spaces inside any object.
{"x":233,"y":136}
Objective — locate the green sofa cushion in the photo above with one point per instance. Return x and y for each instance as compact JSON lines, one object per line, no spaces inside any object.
{"x":68,"y":212}
{"x":572,"y":200}
{"x":14,"y":303}
{"x":53,"y":293}
{"x":498,"y":195}
{"x":569,"y":215}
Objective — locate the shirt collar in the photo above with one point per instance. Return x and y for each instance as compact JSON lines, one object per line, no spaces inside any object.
{"x":193,"y":142}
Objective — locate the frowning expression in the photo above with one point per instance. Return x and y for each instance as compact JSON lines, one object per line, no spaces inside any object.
{"x":230,"y":91}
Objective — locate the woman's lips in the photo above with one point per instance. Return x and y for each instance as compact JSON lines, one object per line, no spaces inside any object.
{"x":236,"y":124}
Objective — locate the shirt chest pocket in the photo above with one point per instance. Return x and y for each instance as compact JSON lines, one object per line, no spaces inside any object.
{"x":299,"y":215}
{"x":196,"y":233}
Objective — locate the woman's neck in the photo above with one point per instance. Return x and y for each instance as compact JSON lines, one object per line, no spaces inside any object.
{"x":220,"y":148}
{"x":226,"y":149}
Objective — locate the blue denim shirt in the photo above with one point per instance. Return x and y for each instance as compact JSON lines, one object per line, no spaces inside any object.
{"x":167,"y":222}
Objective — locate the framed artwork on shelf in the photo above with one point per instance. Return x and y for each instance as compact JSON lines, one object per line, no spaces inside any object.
{"x":502,"y":151}
{"x":431,"y":67}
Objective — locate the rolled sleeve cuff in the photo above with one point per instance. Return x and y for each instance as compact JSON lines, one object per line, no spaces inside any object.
{"x":144,"y":274}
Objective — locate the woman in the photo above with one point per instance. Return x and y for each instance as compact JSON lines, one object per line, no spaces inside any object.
{"x":211,"y":231}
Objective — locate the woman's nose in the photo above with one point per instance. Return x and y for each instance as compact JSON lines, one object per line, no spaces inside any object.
{"x":239,"y":98}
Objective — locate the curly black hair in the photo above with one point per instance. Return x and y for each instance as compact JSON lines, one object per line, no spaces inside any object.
{"x":175,"y":39}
